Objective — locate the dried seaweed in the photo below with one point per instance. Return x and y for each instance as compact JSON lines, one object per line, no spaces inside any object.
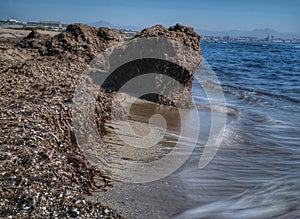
{"x":43,"y":172}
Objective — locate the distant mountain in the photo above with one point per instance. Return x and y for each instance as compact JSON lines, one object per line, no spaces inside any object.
{"x":259,"y":33}
{"x":101,"y":24}
{"x":122,"y":27}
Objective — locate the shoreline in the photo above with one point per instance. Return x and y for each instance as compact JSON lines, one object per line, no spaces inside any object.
{"x":157,"y":199}
{"x":162,"y":198}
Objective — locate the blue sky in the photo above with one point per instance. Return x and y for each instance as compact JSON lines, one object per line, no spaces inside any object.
{"x":219,"y":15}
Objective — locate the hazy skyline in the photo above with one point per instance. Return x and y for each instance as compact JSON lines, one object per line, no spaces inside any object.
{"x":213,"y":15}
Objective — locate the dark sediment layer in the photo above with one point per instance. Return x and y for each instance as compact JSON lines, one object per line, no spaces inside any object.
{"x":43,"y":172}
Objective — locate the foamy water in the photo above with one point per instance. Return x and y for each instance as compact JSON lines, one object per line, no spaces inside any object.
{"x":256,"y":172}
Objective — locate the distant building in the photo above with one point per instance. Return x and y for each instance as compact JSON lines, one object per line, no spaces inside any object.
{"x":46,"y":25}
{"x":12,"y":21}
{"x":128,"y":34}
{"x":51,"y":23}
{"x":269,"y":38}
{"x":226,"y":38}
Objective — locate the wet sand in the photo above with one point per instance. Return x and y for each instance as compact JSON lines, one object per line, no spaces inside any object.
{"x":163,"y":198}
{"x":158,"y":199}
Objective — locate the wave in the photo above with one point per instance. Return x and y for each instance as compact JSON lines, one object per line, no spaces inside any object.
{"x":221,"y":109}
{"x":252,"y":92}
{"x":277,"y":199}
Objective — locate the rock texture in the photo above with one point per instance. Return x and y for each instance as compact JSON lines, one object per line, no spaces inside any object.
{"x":179,"y":33}
{"x":43,"y":172}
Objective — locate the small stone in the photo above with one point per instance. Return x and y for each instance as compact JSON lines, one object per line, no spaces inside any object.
{"x":74,"y":213}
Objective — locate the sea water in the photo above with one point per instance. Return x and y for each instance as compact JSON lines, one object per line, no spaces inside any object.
{"x":256,"y":172}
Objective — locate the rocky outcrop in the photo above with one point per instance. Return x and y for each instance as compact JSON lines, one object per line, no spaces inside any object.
{"x":183,"y":65}
{"x":173,"y":52}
